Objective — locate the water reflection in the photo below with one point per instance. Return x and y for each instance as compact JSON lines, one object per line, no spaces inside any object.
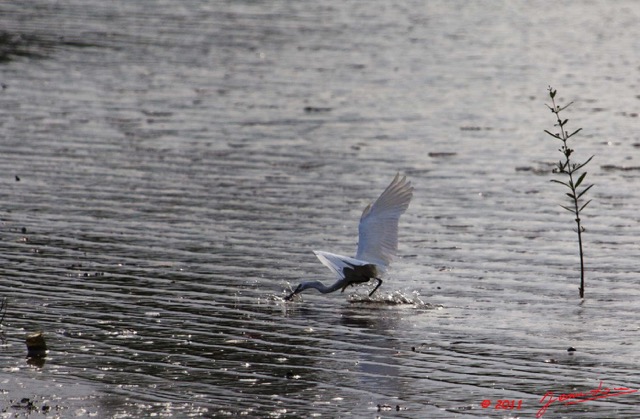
{"x":169,"y":169}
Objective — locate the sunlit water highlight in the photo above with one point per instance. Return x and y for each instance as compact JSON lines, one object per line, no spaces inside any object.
{"x":168,"y":168}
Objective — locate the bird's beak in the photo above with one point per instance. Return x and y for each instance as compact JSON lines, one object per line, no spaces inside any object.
{"x":290,"y":296}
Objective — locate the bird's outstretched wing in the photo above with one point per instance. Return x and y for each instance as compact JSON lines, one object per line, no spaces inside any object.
{"x":337,"y":263}
{"x":378,"y":229}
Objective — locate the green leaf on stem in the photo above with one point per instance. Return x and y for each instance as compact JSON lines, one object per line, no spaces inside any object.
{"x":574,"y":132}
{"x":581,"y":165}
{"x":580,"y":179}
{"x":561,"y":182}
{"x":582,"y":207}
{"x":553,"y":135}
{"x":584,"y":191}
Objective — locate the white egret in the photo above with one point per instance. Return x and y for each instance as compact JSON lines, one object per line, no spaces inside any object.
{"x":377,"y":242}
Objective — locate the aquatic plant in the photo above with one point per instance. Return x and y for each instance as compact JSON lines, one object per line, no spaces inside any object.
{"x":3,"y":309}
{"x":573,"y":173}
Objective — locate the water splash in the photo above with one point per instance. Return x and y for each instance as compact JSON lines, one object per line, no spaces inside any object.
{"x":393,"y":299}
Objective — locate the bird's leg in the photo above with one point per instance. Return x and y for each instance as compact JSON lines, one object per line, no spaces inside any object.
{"x":377,"y":286}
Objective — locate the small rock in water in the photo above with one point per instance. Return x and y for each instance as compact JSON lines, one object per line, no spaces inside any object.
{"x":36,"y":346}
{"x":571,"y":349}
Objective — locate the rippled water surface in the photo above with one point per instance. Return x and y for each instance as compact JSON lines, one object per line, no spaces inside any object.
{"x":168,"y":168}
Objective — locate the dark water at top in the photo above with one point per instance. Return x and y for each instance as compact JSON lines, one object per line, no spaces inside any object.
{"x":179,"y":161}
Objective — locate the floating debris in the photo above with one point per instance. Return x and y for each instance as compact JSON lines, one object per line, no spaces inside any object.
{"x":384,"y":407}
{"x":315,"y":109}
{"x":442,"y":154}
{"x":30,"y":406}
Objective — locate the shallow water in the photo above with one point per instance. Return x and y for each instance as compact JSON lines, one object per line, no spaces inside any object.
{"x":168,"y":169}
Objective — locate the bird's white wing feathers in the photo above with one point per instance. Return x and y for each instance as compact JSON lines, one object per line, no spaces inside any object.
{"x":337,"y":262}
{"x":378,"y":229}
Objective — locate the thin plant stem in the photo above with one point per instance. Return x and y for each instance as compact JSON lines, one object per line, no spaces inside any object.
{"x":570,"y":168}
{"x":3,"y":309}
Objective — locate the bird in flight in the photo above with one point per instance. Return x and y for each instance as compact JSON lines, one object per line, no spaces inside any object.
{"x":377,"y":242}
